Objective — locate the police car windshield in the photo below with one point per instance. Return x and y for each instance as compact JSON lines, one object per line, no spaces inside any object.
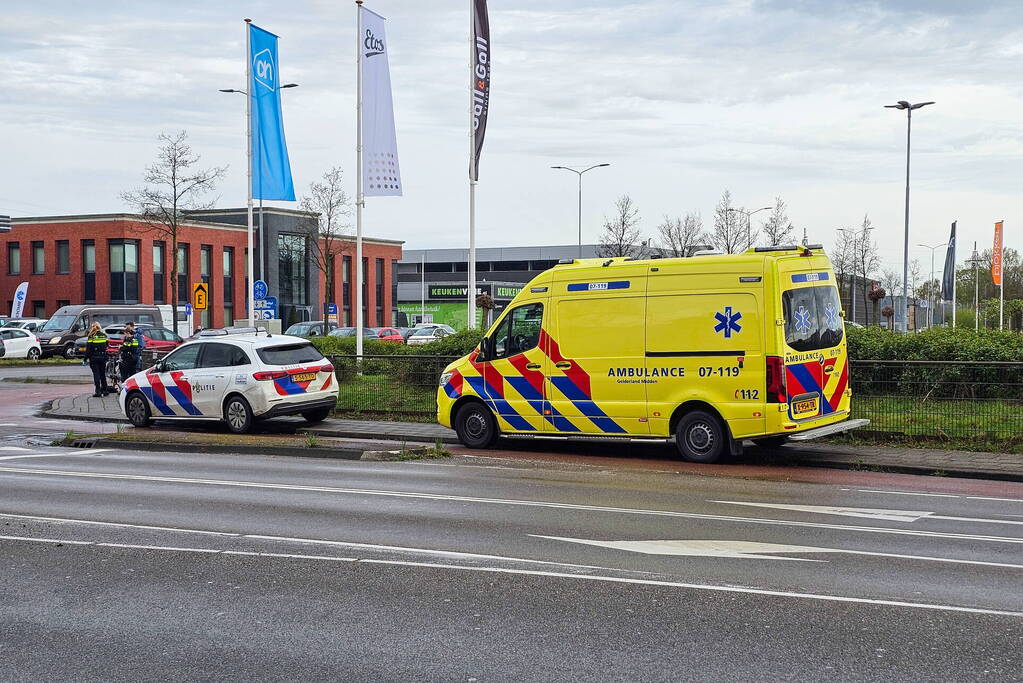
{"x":813,"y":318}
{"x":290,"y":354}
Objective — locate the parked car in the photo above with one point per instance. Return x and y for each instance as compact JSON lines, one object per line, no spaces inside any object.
{"x":159,"y":340}
{"x":19,"y":343}
{"x":367,"y":332}
{"x":405,"y":332}
{"x":311,"y":328}
{"x":446,"y":328}
{"x":30,"y":324}
{"x":390,"y":334}
{"x":59,"y":333}
{"x":425,"y":335}
{"x":234,"y":378}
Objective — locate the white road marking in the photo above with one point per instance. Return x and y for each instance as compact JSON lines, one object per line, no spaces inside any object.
{"x":908,"y":493}
{"x":512,"y":502}
{"x":70,"y":453}
{"x":8,"y":424}
{"x":871,"y":513}
{"x":1001,"y":500}
{"x":751,"y":549}
{"x":13,"y":448}
{"x":695,"y":548}
{"x":550,"y":574}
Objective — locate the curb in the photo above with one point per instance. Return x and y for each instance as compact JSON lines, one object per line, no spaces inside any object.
{"x":382,"y":435}
{"x":352,"y":453}
{"x":808,"y":460}
{"x":46,"y":380}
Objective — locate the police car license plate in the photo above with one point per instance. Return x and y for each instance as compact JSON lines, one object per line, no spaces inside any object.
{"x":805,"y":407}
{"x":305,"y":377}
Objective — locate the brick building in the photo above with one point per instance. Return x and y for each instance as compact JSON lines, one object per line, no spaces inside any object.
{"x":113,"y":258}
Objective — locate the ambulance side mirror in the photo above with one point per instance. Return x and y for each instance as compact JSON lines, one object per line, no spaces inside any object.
{"x":485,"y":347}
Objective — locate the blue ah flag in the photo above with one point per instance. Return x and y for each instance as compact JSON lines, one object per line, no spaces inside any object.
{"x":271,"y":170}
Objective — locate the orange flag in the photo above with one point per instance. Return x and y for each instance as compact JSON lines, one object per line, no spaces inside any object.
{"x":996,"y":255}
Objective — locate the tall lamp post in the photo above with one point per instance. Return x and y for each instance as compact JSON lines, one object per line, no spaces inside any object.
{"x":580,"y":174}
{"x":975,"y":260}
{"x":749,"y":227}
{"x":933,"y":303}
{"x":264,"y":247}
{"x":903,"y":104}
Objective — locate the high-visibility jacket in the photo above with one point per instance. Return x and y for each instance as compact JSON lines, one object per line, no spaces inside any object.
{"x":96,"y":347}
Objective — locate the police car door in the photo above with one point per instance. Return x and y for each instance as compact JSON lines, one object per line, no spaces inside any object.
{"x":212,"y":377}
{"x":171,"y":387}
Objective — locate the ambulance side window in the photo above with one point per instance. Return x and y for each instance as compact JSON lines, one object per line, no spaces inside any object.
{"x":519,"y":331}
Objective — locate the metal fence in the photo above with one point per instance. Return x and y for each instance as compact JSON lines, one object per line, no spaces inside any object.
{"x":396,"y":385}
{"x":932,"y":399}
{"x":940,"y":399}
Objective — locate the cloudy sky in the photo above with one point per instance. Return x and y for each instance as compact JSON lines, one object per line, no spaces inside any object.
{"x":684,"y":99}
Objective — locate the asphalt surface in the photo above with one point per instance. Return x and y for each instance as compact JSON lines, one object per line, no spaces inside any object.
{"x":116,"y":565}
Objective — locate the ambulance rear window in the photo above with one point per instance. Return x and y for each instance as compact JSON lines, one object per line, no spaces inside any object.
{"x":290,"y":354}
{"x":813,"y":318}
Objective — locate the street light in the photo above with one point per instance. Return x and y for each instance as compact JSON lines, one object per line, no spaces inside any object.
{"x":580,"y":174}
{"x":262,"y":238}
{"x":975,"y":260}
{"x":749,"y":229}
{"x":903,"y":104}
{"x":931,"y":312}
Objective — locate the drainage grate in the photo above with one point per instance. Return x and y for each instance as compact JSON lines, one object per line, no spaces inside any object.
{"x":83,"y":443}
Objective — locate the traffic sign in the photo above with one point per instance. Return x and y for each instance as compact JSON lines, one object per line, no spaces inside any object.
{"x":259,"y":290}
{"x":188,"y":309}
{"x":266,"y":309}
{"x":200,"y":296}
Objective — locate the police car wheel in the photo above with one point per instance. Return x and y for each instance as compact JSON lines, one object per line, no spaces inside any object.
{"x":316,"y":415}
{"x":137,"y":409}
{"x":770,"y":443}
{"x":700,"y":437}
{"x":476,"y":426}
{"x":238,"y":415}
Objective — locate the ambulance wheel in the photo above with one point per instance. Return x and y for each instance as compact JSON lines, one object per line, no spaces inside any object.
{"x":700,"y":437}
{"x":137,"y":408}
{"x":476,"y":426}
{"x":771,"y":443}
{"x":238,"y":415}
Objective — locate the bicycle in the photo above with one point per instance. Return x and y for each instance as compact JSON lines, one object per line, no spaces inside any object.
{"x":113,"y":371}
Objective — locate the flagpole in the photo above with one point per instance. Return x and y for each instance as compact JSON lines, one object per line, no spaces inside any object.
{"x":248,"y":136}
{"x":471,"y":289}
{"x":360,"y":199}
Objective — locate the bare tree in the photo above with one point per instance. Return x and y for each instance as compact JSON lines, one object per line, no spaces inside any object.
{"x":891,"y":281}
{"x":867,"y":260}
{"x":729,"y":226}
{"x":172,"y":188}
{"x":620,"y":232}
{"x":843,"y":259}
{"x":777,"y":229}
{"x":679,"y":236}
{"x":328,"y":199}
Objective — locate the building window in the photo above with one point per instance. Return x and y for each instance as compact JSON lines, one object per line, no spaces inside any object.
{"x":159,"y":281}
{"x":293,"y":281}
{"x":38,"y":309}
{"x":63,"y":257}
{"x":89,"y":271}
{"x":13,"y":258}
{"x":346,"y":289}
{"x":394,"y":292}
{"x":228,"y":286}
{"x":365,"y":291}
{"x":61,"y":303}
{"x":182,"y":293}
{"x":124,"y":271}
{"x":38,"y":258}
{"x":379,"y":291}
{"x":205,"y":269}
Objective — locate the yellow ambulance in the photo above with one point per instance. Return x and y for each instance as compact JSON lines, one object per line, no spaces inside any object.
{"x":706,"y":350}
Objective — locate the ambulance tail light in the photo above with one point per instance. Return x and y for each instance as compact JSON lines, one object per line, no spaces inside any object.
{"x":776,"y":389}
{"x":269,"y":375}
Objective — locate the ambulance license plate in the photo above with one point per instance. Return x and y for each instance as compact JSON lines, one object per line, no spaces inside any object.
{"x":805,"y":408}
{"x":305,"y":377}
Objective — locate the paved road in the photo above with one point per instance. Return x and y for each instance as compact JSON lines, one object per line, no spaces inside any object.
{"x":116,"y":565}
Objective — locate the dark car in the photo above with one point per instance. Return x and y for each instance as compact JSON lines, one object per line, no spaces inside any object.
{"x":58,"y":335}
{"x":311,"y":328}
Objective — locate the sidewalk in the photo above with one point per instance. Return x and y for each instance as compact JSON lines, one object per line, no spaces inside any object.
{"x":821,"y":454}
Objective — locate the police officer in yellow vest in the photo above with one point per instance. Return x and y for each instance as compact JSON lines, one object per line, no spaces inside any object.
{"x":96,"y":357}
{"x":131,"y":351}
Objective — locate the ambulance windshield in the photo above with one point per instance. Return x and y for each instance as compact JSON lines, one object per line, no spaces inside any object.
{"x":812,"y":318}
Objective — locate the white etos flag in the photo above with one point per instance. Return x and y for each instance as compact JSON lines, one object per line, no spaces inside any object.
{"x":381,"y":175}
{"x":18,"y":305}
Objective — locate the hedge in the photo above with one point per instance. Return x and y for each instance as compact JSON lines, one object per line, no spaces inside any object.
{"x":457,"y":344}
{"x":936,"y":344}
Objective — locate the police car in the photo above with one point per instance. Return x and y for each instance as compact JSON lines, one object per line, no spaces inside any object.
{"x":235,"y":376}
